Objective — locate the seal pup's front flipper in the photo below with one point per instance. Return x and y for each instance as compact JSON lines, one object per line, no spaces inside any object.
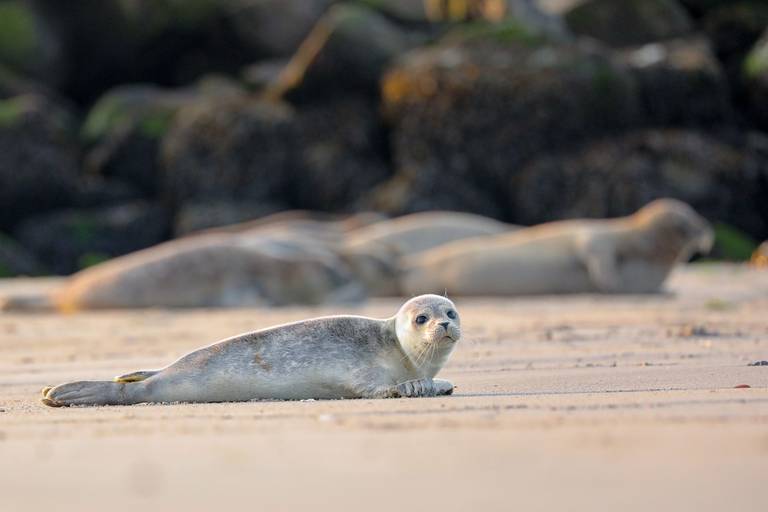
{"x":99,"y":392}
{"x":136,"y":376}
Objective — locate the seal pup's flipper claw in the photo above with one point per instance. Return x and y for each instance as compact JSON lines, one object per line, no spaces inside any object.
{"x":136,"y":376}
{"x":442,"y":387}
{"x":424,"y":387}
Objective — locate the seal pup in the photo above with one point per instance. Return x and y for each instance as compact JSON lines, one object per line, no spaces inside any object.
{"x":633,"y":254}
{"x":418,"y":232}
{"x":274,"y":267}
{"x":328,"y":357}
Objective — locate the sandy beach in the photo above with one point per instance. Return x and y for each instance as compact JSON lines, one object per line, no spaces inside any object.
{"x":568,"y":403}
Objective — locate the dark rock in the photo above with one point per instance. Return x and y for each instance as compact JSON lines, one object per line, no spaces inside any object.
{"x":38,"y":158}
{"x":629,"y":22}
{"x":337,"y":155}
{"x":756,"y":75}
{"x":698,"y":8}
{"x":347,"y":52}
{"x":322,"y":157}
{"x":274,"y":28}
{"x":103,"y":43}
{"x":17,"y":261}
{"x":68,"y":240}
{"x":733,"y":29}
{"x":95,"y":191}
{"x":227,"y":148}
{"x":726,"y":181}
{"x":196,"y":216}
{"x":681,"y":83}
{"x":470,"y":111}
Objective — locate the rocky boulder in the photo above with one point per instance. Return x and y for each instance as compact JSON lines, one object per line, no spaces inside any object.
{"x":346,"y":52}
{"x":725,"y":180}
{"x":227,"y":149}
{"x":338,"y":153}
{"x":38,"y":158}
{"x":629,"y":22}
{"x":247,"y":150}
{"x":69,"y":240}
{"x":17,"y":261}
{"x":24,"y":44}
{"x":467,"y":113}
{"x":756,"y":75}
{"x":680,"y":82}
{"x":274,"y":28}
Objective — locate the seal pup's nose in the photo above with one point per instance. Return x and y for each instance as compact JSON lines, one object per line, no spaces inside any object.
{"x":445,"y":325}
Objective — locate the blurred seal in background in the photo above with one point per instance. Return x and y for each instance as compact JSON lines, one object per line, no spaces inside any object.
{"x":633,"y":254}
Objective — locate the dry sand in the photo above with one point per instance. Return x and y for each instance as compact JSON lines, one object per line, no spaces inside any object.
{"x":622,"y":403}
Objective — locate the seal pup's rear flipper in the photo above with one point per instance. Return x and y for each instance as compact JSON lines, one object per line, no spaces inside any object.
{"x":136,"y":376}
{"x":100,"y":392}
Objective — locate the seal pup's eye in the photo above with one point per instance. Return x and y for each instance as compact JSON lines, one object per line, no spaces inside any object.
{"x":451,"y":314}
{"x":421,"y":319}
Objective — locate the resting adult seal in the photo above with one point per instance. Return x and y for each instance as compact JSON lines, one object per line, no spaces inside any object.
{"x":328,"y":357}
{"x":276,"y":265}
{"x":418,"y":232}
{"x":632,"y":254}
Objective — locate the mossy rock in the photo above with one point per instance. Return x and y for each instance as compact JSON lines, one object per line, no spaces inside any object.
{"x":507,"y":31}
{"x":123,"y":131}
{"x":11,"y":111}
{"x":732,"y":243}
{"x":468,"y":112}
{"x":21,"y":40}
{"x":756,"y":62}
{"x":150,"y":107}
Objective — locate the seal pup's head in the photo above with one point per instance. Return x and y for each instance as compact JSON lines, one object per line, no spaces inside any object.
{"x":428,"y":327}
{"x":678,"y":230}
